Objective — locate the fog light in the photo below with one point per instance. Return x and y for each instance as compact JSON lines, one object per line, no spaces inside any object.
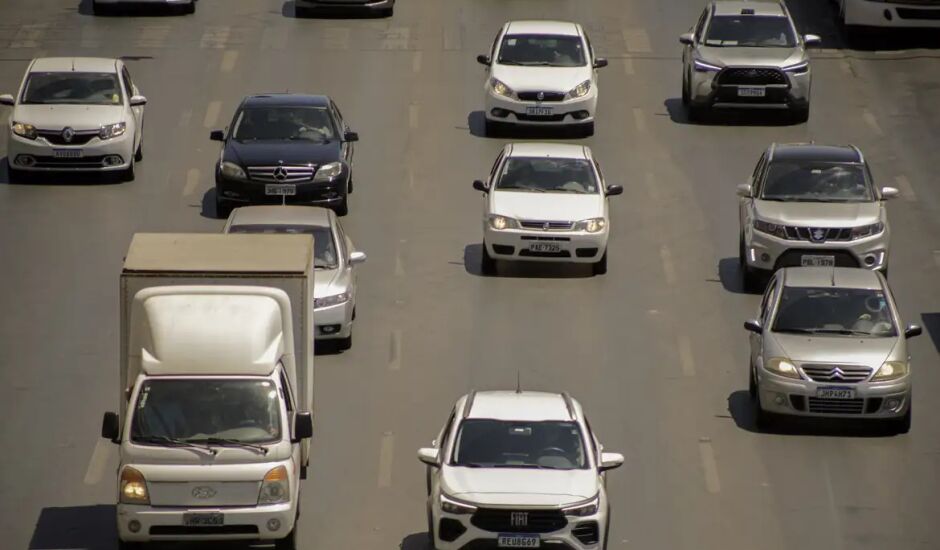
{"x":580,"y":115}
{"x":329,"y":329}
{"x":888,"y":15}
{"x":133,"y":526}
{"x":870,"y":259}
{"x":778,"y":399}
{"x":274,"y":524}
{"x":892,"y":404}
{"x":765,"y":257}
{"x":230,"y":193}
{"x":113,"y":160}
{"x":499,"y":113}
{"x":25,"y":160}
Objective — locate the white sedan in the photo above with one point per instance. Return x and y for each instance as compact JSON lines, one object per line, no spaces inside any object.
{"x":545,"y":202}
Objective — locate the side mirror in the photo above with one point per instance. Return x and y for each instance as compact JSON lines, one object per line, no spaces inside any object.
{"x":912,"y":331}
{"x":350,"y":136}
{"x":429,"y":456}
{"x":812,"y":39}
{"x":753,"y":325}
{"x":609,"y":461}
{"x":7,"y":99}
{"x":111,"y":427}
{"x":138,"y":101}
{"x":356,"y":257}
{"x":484,"y":60}
{"x":303,"y":426}
{"x":480,"y":186}
{"x":614,"y":190}
{"x":600,"y":62}
{"x":686,"y":38}
{"x":889,"y":193}
{"x":744,"y":190}
{"x":217,"y":135}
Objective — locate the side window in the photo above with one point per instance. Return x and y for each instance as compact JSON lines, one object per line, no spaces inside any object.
{"x":700,"y":26}
{"x":128,"y":86}
{"x":285,"y":390}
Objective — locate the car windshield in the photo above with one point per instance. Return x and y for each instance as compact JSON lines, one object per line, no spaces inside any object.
{"x":816,"y":182}
{"x":839,"y":311}
{"x":324,"y":254}
{"x":753,"y":31}
{"x":283,"y":124}
{"x":541,"y":175}
{"x":484,"y":443}
{"x":541,"y":49}
{"x":72,"y":88}
{"x":246,"y":411}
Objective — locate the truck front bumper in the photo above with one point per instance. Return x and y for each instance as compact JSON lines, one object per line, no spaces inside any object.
{"x":139,"y":523}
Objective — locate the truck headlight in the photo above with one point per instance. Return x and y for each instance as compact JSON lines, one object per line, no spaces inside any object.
{"x":22,"y":129}
{"x":704,"y":67}
{"x":274,"y":488}
{"x":327,"y":172}
{"x":232,"y":170}
{"x":581,"y":509}
{"x":502,"y":222}
{"x":867,"y":230}
{"x":581,"y":90}
{"x":771,"y":229}
{"x":592,"y":225}
{"x":891,"y":370}
{"x":501,"y":89}
{"x":454,"y":506}
{"x":133,"y":487}
{"x":782,"y":366}
{"x":327,"y":301}
{"x":109,"y":131}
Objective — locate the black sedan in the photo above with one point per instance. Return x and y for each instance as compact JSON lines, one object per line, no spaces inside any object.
{"x":285,"y":148}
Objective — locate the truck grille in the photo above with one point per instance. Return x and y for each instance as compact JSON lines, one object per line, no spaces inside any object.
{"x":546,"y":96}
{"x":546,"y":225}
{"x":282,"y":173}
{"x":837,"y":373}
{"x":518,"y":521}
{"x":751,"y":76}
{"x":835,"y":406}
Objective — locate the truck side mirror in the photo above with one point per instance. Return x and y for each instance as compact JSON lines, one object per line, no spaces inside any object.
{"x":429,"y":456}
{"x":111,"y":427}
{"x":217,"y":135}
{"x":303,"y":426}
{"x":480,"y":186}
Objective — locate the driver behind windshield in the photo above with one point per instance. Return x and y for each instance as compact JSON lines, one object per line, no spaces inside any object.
{"x":282,"y":123}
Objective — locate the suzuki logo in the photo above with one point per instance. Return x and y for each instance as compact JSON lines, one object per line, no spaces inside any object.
{"x":817,"y":235}
{"x":203,"y":492}
{"x":68,"y":134}
{"x":519,"y":519}
{"x":280,"y":173}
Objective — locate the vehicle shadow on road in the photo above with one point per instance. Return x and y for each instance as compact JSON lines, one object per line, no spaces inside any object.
{"x":289,"y":9}
{"x":476,"y":122}
{"x":473,"y":253}
{"x":822,"y":18}
{"x":729,"y":117}
{"x":89,"y":527}
{"x":741,"y":409}
{"x":729,"y":271}
{"x":137,"y":10}
{"x":207,"y":206}
{"x":51,"y":178}
{"x":931,"y":323}
{"x":415,"y":541}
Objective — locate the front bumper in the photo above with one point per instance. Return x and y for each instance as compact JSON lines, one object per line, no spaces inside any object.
{"x":92,"y":154}
{"x":705,"y":91}
{"x":241,"y":523}
{"x":892,"y":14}
{"x":567,"y":112}
{"x":798,"y":398}
{"x":768,"y":252}
{"x":252,"y":192}
{"x":516,"y":244}
{"x":456,"y":532}
{"x":333,"y":322}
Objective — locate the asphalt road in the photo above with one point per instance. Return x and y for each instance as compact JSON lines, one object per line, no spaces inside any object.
{"x":654,"y":350}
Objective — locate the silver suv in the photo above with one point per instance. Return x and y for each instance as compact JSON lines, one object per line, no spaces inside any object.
{"x":811,"y":205}
{"x":746,"y":54}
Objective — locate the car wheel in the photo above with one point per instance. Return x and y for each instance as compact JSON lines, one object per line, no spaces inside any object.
{"x":302,"y":12}
{"x":128,"y":173}
{"x":190,"y":8}
{"x":696,"y":113}
{"x":387,"y":12}
{"x":350,"y":189}
{"x":750,"y":278}
{"x":492,"y":128}
{"x":289,"y":542}
{"x":430,"y":528}
{"x":765,"y":421}
{"x":752,"y":382}
{"x":586,"y":129}
{"x":800,"y":114}
{"x":17,"y":176}
{"x":600,"y":267}
{"x":124,"y":545}
{"x":344,"y":343}
{"x":487,"y":262}
{"x":222,"y":207}
{"x":98,"y":9}
{"x":902,"y":425}
{"x":139,"y":154}
{"x":686,"y":96}
{"x":342,"y":208}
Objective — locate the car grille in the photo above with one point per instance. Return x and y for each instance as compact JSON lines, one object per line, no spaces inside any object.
{"x":546,"y":96}
{"x":55,"y":137}
{"x":913,"y":13}
{"x":493,"y":544}
{"x":81,"y":162}
{"x":182,"y":530}
{"x":837,"y":373}
{"x":836,"y":406}
{"x":282,"y":173}
{"x":794,"y":257}
{"x":540,"y":118}
{"x":795,"y":233}
{"x":501,"y":520}
{"x":757,"y":76}
{"x":546,"y":225}
{"x":587,"y":532}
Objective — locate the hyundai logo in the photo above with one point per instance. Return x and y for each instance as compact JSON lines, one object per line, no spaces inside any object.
{"x":68,"y":134}
{"x":540,"y":96}
{"x":203,"y":492}
{"x":817,"y":235}
{"x":519,"y":519}
{"x":280,"y":173}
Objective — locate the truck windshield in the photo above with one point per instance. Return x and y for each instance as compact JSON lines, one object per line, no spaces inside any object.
{"x":246,"y":411}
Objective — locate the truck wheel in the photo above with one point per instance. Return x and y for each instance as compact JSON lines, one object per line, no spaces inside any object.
{"x":600,"y":267}
{"x":487,"y":262}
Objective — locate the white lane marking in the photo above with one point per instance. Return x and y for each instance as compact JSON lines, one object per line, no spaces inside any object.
{"x":686,"y":358}
{"x":936,"y":257}
{"x":192,"y":182}
{"x":29,"y":36}
{"x":416,"y":62}
{"x":185,"y":117}
{"x":651,"y":186}
{"x":709,"y":465}
{"x":452,"y":39}
{"x":153,"y":36}
{"x":669,"y":268}
{"x":394,"y":350}
{"x":396,"y":38}
{"x":904,"y":186}
{"x":336,"y":38}
{"x":399,"y":265}
{"x":413,"y":116}
{"x":229,"y":59}
{"x":215,"y":37}
{"x":411,"y":179}
{"x":870,"y":120}
{"x":386,"y":454}
{"x":636,"y":40}
{"x":833,"y":508}
{"x":212,"y":114}
{"x":628,"y":67}
{"x":98,"y":461}
{"x":274,"y":38}
{"x":639,"y":119}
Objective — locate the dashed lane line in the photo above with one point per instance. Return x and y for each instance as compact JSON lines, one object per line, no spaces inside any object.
{"x":904,"y":186}
{"x":872,"y":123}
{"x":386,"y":454}
{"x":686,"y":357}
{"x":192,"y":182}
{"x":394,"y":350}
{"x":212,"y":114}
{"x":669,"y":267}
{"x":709,"y":465}
{"x":229,"y":59}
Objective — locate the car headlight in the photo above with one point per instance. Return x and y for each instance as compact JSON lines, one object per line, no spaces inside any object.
{"x":502,"y":222}
{"x":592,"y":225}
{"x":704,"y":67}
{"x":327,"y":301}
{"x":501,"y":89}
{"x":274,"y":488}
{"x":782,"y":366}
{"x":867,"y":230}
{"x":133,"y":487}
{"x":798,"y":68}
{"x":22,"y":129}
{"x":581,"y":90}
{"x":327,"y":172}
{"x":891,"y":370}
{"x":771,"y":229}
{"x":581,"y":509}
{"x":109,"y":131}
{"x":454,"y":506}
{"x":232,"y":170}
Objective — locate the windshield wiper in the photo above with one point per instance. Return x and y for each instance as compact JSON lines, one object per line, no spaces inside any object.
{"x":845,"y":331}
{"x":172,"y":442}
{"x":507,"y":62}
{"x":796,"y":330}
{"x":229,"y":442}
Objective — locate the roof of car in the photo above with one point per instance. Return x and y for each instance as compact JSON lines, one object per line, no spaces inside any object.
{"x":522,"y":406}
{"x":287,"y":99}
{"x":837,"y":277}
{"x":77,"y":64}
{"x":813,"y":152}
{"x":281,"y":215}
{"x":559,"y":150}
{"x":759,"y":7}
{"x":532,"y":26}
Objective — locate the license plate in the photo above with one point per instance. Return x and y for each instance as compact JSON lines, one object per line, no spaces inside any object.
{"x":752,"y":91}
{"x":544,"y":247}
{"x":280,"y":189}
{"x":518,"y":541}
{"x":538,"y":111}
{"x":810,"y":260}
{"x":67,"y":153}
{"x":835,"y":393}
{"x":203,"y":519}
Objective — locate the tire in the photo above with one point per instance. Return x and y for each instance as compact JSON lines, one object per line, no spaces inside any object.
{"x":492,"y":128}
{"x":600,"y":267}
{"x":750,"y":278}
{"x":696,"y":113}
{"x":17,"y":176}
{"x":139,"y":154}
{"x":190,"y":9}
{"x":302,"y":12}
{"x":387,"y":12}
{"x":342,"y":208}
{"x":430,"y":528}
{"x":128,"y":173}
{"x":686,"y":96}
{"x":124,"y":545}
{"x":765,"y":421}
{"x":98,"y":9}
{"x":901,"y":425}
{"x":350,"y":189}
{"x":752,"y":382}
{"x":344,"y":344}
{"x":222,"y":207}
{"x":487,"y":262}
{"x":800,"y":115}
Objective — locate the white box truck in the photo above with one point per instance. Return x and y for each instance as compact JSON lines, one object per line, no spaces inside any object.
{"x":216,"y":387}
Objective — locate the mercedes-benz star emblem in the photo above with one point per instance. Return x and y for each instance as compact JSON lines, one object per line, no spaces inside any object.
{"x":203,"y":492}
{"x":540,"y":96}
{"x":68,"y":134}
{"x":818,"y":235}
{"x":280,"y":173}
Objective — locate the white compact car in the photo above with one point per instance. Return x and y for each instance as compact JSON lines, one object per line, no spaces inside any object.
{"x":101,"y":7}
{"x":541,"y":73}
{"x":75,"y":114}
{"x":545,"y":202}
{"x":334,"y":291}
{"x":517,"y":470}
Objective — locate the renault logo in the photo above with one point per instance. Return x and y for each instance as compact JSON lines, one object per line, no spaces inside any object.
{"x":817,"y":235}
{"x":280,"y":173}
{"x":519,"y":519}
{"x":203,"y":492}
{"x":68,"y":134}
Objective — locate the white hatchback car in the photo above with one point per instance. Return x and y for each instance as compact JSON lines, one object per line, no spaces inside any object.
{"x":75,"y":114}
{"x":541,"y":73}
{"x":545,"y":202}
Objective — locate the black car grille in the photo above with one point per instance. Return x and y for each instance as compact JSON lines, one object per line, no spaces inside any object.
{"x":178,"y":530}
{"x":79,"y":138}
{"x":534,"y":521}
{"x":546,"y":96}
{"x":449,"y":529}
{"x":546,"y":225}
{"x":913,"y":13}
{"x":793,"y":257}
{"x":837,"y":373}
{"x":540,"y":118}
{"x":586,"y":532}
{"x":835,"y":406}
{"x":795,"y":233}
{"x":493,"y":544}
{"x":534,"y":254}
{"x":282,"y":173}
{"x":81,"y":162}
{"x":751,"y":76}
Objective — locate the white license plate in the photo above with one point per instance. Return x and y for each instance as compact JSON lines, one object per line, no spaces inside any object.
{"x":544,"y":247}
{"x":203,"y":519}
{"x":538,"y":111}
{"x":751,"y":91}
{"x":835,"y":393}
{"x":67,"y":153}
{"x":280,"y":189}
{"x":810,"y":260}
{"x":518,"y":541}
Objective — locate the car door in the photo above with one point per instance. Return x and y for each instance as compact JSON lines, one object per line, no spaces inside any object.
{"x":697,"y":34}
{"x":348,"y":148}
{"x":440,"y":443}
{"x":130,"y":89}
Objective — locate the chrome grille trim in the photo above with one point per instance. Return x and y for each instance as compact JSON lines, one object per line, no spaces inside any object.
{"x":850,"y":374}
{"x":295,"y":173}
{"x":797,"y":233}
{"x":546,"y":225}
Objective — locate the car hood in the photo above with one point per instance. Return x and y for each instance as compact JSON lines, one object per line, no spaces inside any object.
{"x":546,"y":79}
{"x":327,"y":282}
{"x":835,"y":349}
{"x":768,"y":57}
{"x":261,"y":153}
{"x":519,"y":486}
{"x":77,"y":117}
{"x":821,"y":214}
{"x":524,"y":205}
